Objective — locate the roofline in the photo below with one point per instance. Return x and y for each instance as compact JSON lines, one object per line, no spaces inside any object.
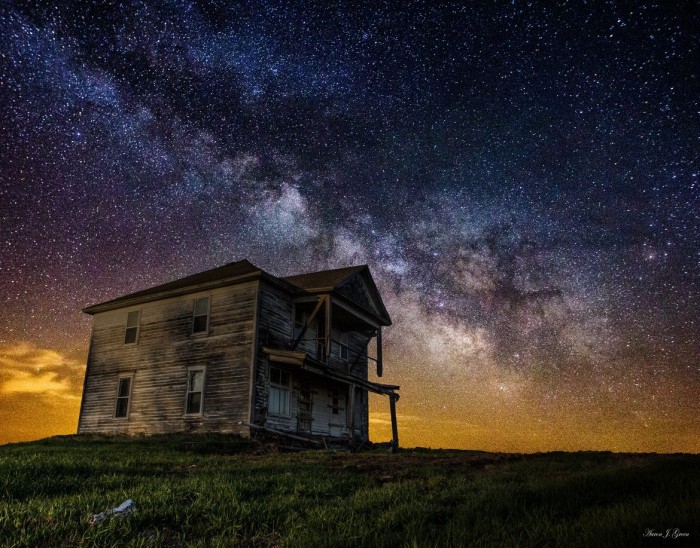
{"x":282,"y":283}
{"x":383,"y":316}
{"x":383,"y":311}
{"x":354,"y":269}
{"x":121,"y":302}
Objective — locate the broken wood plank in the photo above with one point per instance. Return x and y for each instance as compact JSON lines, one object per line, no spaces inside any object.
{"x":283,"y":434}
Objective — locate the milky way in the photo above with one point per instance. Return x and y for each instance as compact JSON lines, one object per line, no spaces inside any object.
{"x":521,"y":178}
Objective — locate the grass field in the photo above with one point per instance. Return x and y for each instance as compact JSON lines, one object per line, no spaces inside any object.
{"x":222,"y":490}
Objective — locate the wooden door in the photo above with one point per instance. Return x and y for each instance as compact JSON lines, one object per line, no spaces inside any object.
{"x":304,"y":409}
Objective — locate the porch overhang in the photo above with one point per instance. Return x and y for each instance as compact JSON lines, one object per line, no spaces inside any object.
{"x":307,"y":363}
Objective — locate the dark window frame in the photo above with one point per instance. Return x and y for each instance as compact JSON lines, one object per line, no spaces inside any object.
{"x":121,"y":398}
{"x":188,"y":391}
{"x":196,"y":318}
{"x":130,"y":328}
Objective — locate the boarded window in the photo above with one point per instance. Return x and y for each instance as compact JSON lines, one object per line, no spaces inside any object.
{"x":195,"y":391}
{"x":279,"y":392}
{"x":200,"y":319}
{"x":123,"y":396}
{"x":131,"y":334}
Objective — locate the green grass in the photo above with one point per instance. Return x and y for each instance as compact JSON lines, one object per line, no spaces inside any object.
{"x":222,"y":490}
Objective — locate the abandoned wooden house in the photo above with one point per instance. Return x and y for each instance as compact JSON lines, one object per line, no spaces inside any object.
{"x":235,"y":349}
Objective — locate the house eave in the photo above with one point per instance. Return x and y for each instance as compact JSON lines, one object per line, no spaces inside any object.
{"x":127,"y":302}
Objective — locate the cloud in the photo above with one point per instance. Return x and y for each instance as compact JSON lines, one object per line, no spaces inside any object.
{"x":385,"y":418}
{"x":28,"y":369}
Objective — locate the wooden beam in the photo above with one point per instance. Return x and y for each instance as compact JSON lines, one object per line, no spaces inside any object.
{"x":291,"y":357}
{"x":380,"y":367}
{"x":253,"y":368}
{"x":360,"y":354}
{"x":351,"y":410}
{"x":282,"y":434}
{"x":394,"y":428}
{"x":329,"y":324}
{"x":355,"y":311}
{"x":308,"y":321}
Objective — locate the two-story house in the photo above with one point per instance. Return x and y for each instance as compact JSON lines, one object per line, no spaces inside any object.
{"x":234,"y":349}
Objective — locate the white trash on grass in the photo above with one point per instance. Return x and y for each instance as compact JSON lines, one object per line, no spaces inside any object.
{"x":125,"y":508}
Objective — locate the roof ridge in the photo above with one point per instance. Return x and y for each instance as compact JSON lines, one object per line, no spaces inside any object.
{"x":237,"y":269}
{"x":354,"y":267}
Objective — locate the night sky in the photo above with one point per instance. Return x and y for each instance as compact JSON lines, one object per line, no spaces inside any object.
{"x":521,"y":178}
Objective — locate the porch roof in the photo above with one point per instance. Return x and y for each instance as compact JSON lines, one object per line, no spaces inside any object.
{"x":306,"y":363}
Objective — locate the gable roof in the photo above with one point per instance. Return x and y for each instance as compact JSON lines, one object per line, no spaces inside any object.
{"x":325,"y":279}
{"x":337,"y":281}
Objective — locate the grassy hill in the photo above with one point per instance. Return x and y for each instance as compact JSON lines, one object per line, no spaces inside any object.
{"x":222,"y":490}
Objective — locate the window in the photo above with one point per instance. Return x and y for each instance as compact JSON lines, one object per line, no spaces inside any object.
{"x":200,"y":318}
{"x":344,"y":345}
{"x":131,"y":334}
{"x":279,"y":392}
{"x":121,"y":410}
{"x":195,"y":391}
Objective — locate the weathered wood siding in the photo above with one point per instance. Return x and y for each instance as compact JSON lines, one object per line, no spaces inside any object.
{"x":275,"y":328}
{"x":159,"y":362}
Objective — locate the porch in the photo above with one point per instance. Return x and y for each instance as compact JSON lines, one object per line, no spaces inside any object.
{"x":310,"y":399}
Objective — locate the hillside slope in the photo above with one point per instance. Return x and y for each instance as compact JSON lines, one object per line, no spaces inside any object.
{"x":222,"y":490}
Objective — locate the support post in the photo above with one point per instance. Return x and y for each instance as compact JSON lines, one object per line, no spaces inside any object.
{"x":380,"y":367}
{"x":351,"y":411}
{"x":329,"y":324}
{"x":394,"y":428}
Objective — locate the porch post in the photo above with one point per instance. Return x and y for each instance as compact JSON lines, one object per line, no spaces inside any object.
{"x":394,"y":428}
{"x":351,"y":410}
{"x":380,"y":366}
{"x":329,"y":327}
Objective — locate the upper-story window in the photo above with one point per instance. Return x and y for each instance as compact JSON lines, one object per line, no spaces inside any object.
{"x":345,"y":346}
{"x":200,"y":317}
{"x":131,"y":333}
{"x":121,"y":410}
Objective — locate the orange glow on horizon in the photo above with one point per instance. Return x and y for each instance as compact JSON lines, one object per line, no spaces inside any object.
{"x":40,"y":392}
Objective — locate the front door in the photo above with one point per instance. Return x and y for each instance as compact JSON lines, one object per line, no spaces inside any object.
{"x":304,"y":409}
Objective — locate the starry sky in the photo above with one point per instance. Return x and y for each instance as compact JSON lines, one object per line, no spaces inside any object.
{"x":521,"y":177}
